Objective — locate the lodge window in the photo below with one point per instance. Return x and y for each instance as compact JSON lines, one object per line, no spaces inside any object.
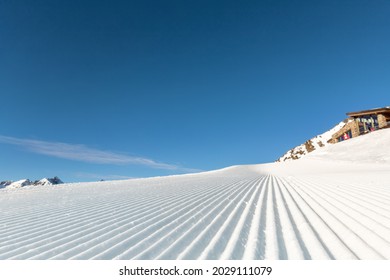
{"x":347,"y":135}
{"x":367,"y":123}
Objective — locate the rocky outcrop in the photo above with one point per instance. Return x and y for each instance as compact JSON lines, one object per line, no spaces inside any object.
{"x":315,"y":143}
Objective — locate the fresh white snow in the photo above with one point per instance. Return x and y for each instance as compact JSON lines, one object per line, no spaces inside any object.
{"x":331,"y":204}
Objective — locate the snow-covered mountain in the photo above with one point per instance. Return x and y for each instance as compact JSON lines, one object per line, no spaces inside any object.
{"x":19,"y":184}
{"x":331,"y":204}
{"x":312,"y":144}
{"x":27,"y":182}
{"x":48,"y":181}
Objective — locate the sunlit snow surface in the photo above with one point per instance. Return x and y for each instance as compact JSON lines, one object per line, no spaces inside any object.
{"x":333,"y":204}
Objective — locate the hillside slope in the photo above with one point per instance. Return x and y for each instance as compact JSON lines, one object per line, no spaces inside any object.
{"x":312,"y":144}
{"x":329,"y":205}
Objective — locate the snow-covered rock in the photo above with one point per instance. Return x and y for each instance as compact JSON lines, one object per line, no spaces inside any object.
{"x":312,"y":144}
{"x":5,"y":184}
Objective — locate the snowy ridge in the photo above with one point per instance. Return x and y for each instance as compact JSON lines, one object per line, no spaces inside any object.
{"x":27,"y":182}
{"x":314,"y":143}
{"x":16,"y":184}
{"x":314,"y":208}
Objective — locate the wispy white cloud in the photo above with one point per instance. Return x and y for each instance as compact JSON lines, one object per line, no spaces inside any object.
{"x":83,"y":153}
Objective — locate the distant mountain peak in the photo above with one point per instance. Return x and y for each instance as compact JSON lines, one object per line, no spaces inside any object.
{"x":27,"y":182}
{"x":48,"y":181}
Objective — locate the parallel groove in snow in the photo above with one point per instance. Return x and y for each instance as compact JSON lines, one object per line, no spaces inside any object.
{"x":109,"y":252}
{"x":237,"y":213}
{"x":308,"y":224}
{"x":148,"y":215}
{"x":203,"y":231}
{"x":338,"y":225}
{"x":345,"y":215}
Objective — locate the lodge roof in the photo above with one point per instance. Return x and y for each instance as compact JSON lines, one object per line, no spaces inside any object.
{"x":371,"y":111}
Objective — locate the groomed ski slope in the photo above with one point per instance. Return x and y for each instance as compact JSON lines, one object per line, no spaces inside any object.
{"x":333,"y":204}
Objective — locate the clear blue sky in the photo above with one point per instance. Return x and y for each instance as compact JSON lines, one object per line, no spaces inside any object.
{"x":117,"y":89}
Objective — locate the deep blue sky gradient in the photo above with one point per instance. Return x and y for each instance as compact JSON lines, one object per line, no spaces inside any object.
{"x":196,"y":84}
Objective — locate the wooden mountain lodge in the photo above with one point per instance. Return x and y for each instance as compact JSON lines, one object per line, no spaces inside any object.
{"x":362,"y":122}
